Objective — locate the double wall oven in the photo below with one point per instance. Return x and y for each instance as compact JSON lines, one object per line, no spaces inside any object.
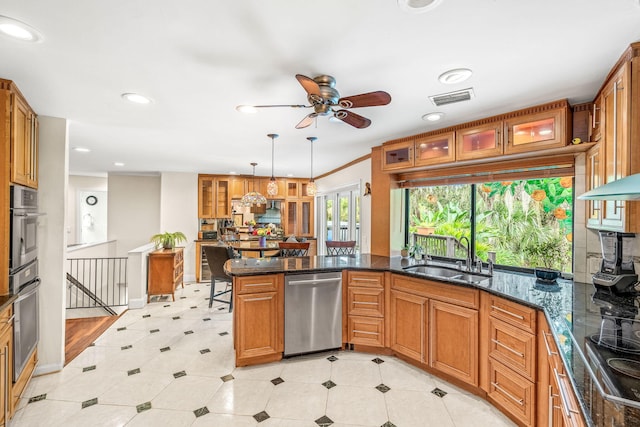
{"x":23,"y":274}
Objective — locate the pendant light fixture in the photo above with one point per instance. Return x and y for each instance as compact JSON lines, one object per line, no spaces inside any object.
{"x":311,"y":187}
{"x":253,"y":198}
{"x":272,"y":187}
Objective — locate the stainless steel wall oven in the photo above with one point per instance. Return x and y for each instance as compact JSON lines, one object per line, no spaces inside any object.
{"x":24,"y":225}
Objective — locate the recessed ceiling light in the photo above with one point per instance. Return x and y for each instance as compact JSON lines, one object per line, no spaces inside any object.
{"x":290,"y":175}
{"x":432,"y":117}
{"x":136,"y":98}
{"x":81,"y":149}
{"x":19,"y":30}
{"x":418,"y":6}
{"x":119,"y":164}
{"x":247,"y":109}
{"x":455,"y":76}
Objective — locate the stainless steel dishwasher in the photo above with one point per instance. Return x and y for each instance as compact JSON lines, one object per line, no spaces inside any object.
{"x":312,"y":312}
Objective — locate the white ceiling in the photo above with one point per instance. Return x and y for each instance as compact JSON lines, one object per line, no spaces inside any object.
{"x":198,"y":59}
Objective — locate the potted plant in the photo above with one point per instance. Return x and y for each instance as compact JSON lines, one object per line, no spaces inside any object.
{"x":546,"y":256}
{"x":404,"y":251}
{"x":168,"y":240}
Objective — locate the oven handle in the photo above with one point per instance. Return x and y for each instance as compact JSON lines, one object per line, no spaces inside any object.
{"x":30,"y":214}
{"x":27,"y":291}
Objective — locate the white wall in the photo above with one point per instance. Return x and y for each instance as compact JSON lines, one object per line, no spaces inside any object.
{"x":77,"y":183}
{"x":360,"y":173}
{"x":178,"y":212}
{"x":134,"y":210}
{"x":53,"y":170}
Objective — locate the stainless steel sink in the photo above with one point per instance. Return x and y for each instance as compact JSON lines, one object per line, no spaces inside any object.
{"x":447,"y":273}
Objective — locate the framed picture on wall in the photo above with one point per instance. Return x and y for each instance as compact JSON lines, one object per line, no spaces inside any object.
{"x":238,"y":219}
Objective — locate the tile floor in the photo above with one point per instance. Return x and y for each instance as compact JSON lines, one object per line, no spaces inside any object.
{"x":171,"y":364}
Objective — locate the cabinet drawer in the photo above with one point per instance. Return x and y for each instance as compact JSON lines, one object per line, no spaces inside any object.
{"x":512,"y":392}
{"x":457,"y":295}
{"x":366,"y":302}
{"x":512,"y":347}
{"x":253,"y":284}
{"x":366,"y":331}
{"x":365,"y":279}
{"x":513,"y":313}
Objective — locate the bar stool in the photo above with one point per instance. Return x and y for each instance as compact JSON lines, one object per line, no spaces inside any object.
{"x":216,"y":257}
{"x":291,"y":249}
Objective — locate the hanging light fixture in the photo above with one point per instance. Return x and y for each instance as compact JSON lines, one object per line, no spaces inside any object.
{"x":311,"y":187}
{"x":253,"y":198}
{"x":272,"y":187}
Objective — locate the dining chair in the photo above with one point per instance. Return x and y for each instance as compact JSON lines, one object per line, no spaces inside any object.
{"x":291,"y":249}
{"x":335,"y":247}
{"x":216,"y":257}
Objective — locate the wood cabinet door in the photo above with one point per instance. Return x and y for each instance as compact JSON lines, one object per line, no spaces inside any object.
{"x":257,"y":325}
{"x":32,"y":176}
{"x":596,"y":132}
{"x":238,"y":188}
{"x":453,"y":340}
{"x":206,"y":185}
{"x":222,"y":198}
{"x":20,"y":141}
{"x":6,"y":373}
{"x":435,"y":149}
{"x":479,"y":142}
{"x":616,"y":143}
{"x":593,"y":180}
{"x":397,"y":156}
{"x":538,"y":131}
{"x":408,"y":325}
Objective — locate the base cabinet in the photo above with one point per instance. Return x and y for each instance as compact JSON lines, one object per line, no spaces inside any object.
{"x":258,"y":318}
{"x":6,"y":365}
{"x":365,"y":308}
{"x":453,"y":340}
{"x":512,"y":392}
{"x":408,"y":316}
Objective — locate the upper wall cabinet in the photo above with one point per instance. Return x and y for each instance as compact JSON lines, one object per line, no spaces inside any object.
{"x":398,"y":155}
{"x":23,"y":124}
{"x":214,"y":197}
{"x":480,"y":141}
{"x":617,"y":122}
{"x":536,"y":131}
{"x":435,"y":149}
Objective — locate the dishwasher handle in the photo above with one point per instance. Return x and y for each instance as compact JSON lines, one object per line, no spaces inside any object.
{"x":311,"y":281}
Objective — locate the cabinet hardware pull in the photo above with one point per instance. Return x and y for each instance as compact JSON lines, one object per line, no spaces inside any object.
{"x":546,"y":344}
{"x":249,"y":285}
{"x":365,"y":332}
{"x":550,"y":405}
{"x":258,"y":299}
{"x":362,"y":279}
{"x":509,"y":395}
{"x":507,"y":347}
{"x":564,"y":399}
{"x":502,"y":310}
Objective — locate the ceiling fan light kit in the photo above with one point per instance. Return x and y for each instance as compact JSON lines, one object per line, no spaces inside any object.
{"x":272,"y":186}
{"x":325,"y":100}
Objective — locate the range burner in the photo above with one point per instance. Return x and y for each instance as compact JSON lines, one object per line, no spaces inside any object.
{"x":625,"y":366}
{"x":617,"y":343}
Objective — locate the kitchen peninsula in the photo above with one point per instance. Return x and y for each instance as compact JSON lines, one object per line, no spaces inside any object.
{"x":507,"y":338}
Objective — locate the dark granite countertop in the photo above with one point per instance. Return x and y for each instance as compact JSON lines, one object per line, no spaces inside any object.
{"x":569,"y":307}
{"x":5,"y":300}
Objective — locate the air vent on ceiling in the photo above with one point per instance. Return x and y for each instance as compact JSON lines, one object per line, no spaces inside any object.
{"x":452,"y":97}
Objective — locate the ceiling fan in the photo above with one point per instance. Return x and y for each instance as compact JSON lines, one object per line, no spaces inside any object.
{"x":325,"y":100}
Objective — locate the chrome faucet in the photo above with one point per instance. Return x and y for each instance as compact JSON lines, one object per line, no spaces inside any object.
{"x":469,"y":261}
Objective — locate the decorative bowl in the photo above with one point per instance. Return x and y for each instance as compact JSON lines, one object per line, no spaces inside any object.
{"x":547,"y":275}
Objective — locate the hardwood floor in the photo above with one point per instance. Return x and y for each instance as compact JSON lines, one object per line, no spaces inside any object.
{"x":80,"y":333}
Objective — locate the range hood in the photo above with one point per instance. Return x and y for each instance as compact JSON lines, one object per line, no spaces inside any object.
{"x":627,"y":188}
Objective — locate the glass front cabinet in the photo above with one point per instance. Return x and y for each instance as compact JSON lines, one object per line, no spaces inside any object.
{"x":537,"y":131}
{"x":398,"y":155}
{"x":480,"y":141}
{"x":435,"y":149}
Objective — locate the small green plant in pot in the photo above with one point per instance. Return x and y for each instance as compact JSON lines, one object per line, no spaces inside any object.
{"x":168,"y":240}
{"x":548,"y":257}
{"x":404,"y":251}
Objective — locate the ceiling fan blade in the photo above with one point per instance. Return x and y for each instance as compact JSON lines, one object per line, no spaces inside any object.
{"x":353,"y":119}
{"x":309,"y":84}
{"x":307,"y":121}
{"x":369,"y":99}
